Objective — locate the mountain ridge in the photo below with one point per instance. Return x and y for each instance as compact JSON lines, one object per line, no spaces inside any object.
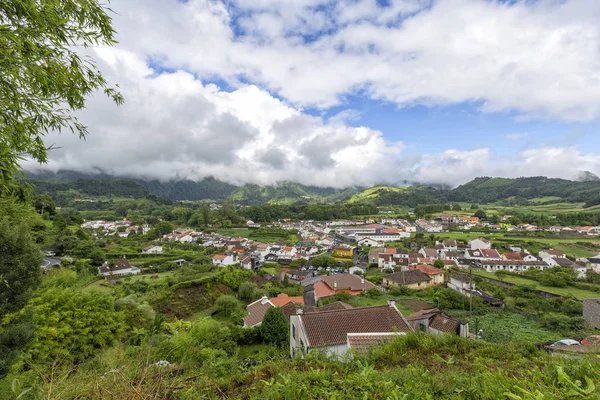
{"x":479,"y":190}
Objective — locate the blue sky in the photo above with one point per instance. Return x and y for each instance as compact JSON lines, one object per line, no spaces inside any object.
{"x":343,"y":92}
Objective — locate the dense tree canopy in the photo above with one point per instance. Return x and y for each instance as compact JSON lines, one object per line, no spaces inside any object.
{"x":43,"y":81}
{"x":20,"y":261}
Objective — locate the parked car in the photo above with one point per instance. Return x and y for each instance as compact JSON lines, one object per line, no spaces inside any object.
{"x":594,"y":339}
{"x":565,"y":342}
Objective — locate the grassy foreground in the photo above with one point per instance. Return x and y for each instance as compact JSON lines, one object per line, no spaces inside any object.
{"x":412,"y":367}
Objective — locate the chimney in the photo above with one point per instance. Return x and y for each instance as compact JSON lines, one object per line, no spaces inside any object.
{"x":391,"y":302}
{"x":299,"y":311}
{"x":264,"y":300}
{"x":334,"y":284}
{"x":362,"y":280}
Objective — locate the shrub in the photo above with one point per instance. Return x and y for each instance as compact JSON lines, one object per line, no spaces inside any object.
{"x":551,"y":279}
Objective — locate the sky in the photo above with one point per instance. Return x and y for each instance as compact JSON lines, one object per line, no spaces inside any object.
{"x":341,"y":93}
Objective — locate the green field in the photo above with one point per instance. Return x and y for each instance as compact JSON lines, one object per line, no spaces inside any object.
{"x":546,"y":209}
{"x":568,"y":245}
{"x":567,"y":292}
{"x":241,"y":232}
{"x":503,"y":326}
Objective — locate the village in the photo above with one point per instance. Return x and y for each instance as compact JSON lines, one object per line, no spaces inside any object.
{"x":346,"y":258}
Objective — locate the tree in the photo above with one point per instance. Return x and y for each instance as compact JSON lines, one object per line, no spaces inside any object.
{"x":456,"y":207}
{"x":205,"y":215}
{"x":480,"y":214}
{"x":234,"y":276}
{"x":226,"y":304}
{"x":44,"y":79}
{"x":44,"y":204}
{"x":439,"y":264}
{"x":247,"y":291}
{"x":20,"y":261}
{"x":97,"y":256}
{"x":323,"y":262}
{"x":163,"y":227}
{"x":275,"y":328}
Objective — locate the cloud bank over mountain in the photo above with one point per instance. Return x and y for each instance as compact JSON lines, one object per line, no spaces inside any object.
{"x":244,"y":90}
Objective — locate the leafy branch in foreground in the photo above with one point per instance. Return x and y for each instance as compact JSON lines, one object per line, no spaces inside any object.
{"x":44,"y":80}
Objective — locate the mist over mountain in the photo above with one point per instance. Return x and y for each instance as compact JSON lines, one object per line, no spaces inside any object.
{"x":479,"y":190}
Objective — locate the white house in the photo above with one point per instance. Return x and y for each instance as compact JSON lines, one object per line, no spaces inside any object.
{"x":222,"y":260}
{"x":462,"y":283}
{"x":595,"y":263}
{"x":153,"y":250}
{"x":287,"y":252}
{"x":122,"y":267}
{"x":368,"y":242}
{"x":511,"y":265}
{"x":481,"y":243}
{"x":551,"y":253}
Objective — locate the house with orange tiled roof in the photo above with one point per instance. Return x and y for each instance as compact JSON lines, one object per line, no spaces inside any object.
{"x":282,"y":299}
{"x":436,"y":274}
{"x":349,"y":283}
{"x":223,"y":260}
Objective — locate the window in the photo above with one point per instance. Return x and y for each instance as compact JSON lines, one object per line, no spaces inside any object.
{"x":294,"y":331}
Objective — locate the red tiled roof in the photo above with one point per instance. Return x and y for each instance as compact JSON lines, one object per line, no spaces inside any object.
{"x":430,"y":252}
{"x":219,"y":257}
{"x":491,"y":253}
{"x":408,"y":277}
{"x":444,"y":323}
{"x":347,"y":281}
{"x":429,"y":270}
{"x":282,"y":299}
{"x":331,"y":327}
{"x":362,"y":342}
{"x":512,"y":255}
{"x":322,"y":290}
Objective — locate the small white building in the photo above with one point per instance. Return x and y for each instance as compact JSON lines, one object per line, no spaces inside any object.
{"x":462,"y":283}
{"x":223,"y":260}
{"x":122,"y":267}
{"x":153,"y":250}
{"x":481,"y":243}
{"x":551,"y":253}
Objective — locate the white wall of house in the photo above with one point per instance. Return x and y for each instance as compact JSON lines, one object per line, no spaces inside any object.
{"x":479,"y":244}
{"x":543,"y":255}
{"x":153,"y":250}
{"x":459,"y":286}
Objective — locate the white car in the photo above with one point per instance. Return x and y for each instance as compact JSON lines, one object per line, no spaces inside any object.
{"x":565,"y":342}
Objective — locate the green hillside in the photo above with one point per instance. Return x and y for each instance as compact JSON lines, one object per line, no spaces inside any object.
{"x":373,"y":193}
{"x":484,"y":190}
{"x":69,"y":185}
{"x":288,"y":193}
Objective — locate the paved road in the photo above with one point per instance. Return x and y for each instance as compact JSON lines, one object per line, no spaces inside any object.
{"x":50,"y":262}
